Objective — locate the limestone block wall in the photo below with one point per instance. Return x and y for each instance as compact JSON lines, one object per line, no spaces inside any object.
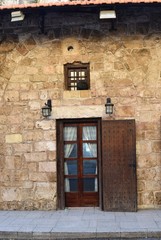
{"x":124,"y":65}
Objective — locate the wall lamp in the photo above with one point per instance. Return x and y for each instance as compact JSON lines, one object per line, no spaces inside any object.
{"x":107,"y":14}
{"x":109,"y":106}
{"x":17,"y":16}
{"x":47,"y":109}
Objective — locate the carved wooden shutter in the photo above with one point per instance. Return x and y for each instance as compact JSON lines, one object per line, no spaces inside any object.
{"x":119,"y":165}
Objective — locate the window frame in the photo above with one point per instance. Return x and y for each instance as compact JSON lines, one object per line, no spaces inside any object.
{"x":76,"y":67}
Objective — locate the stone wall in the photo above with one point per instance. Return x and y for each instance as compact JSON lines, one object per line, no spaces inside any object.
{"x":124,"y":64}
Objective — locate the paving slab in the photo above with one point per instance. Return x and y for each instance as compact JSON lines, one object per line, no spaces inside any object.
{"x":80,"y":223}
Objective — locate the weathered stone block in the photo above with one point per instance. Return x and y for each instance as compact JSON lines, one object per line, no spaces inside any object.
{"x":146,"y":199}
{"x":39,"y":78}
{"x":26,"y":194}
{"x":10,"y":162}
{"x":146,"y":174}
{"x":157,"y":196}
{"x":20,"y":78}
{"x":22,"y":147}
{"x":21,"y":175}
{"x":29,"y":96}
{"x":52,"y":155}
{"x":49,"y":69}
{"x":71,"y":94}
{"x":47,"y":167}
{"x":13,"y":86}
{"x":15,"y":56}
{"x":55,"y":94}
{"x":32,"y":166}
{"x":43,"y":94}
{"x":32,"y":135}
{"x":11,"y":194}
{"x":35,"y":157}
{"x":28,"y":125}
{"x":12,"y":96}
{"x":156,"y":146}
{"x":15,"y":119}
{"x":22,"y":49}
{"x":3,"y":119}
{"x":126,"y":111}
{"x":5,"y":72}
{"x":45,"y":191}
{"x":85,"y":94}
{"x":41,"y":177}
{"x":30,"y":43}
{"x":141,"y":185}
{"x":18,"y":162}
{"x":13,"y":138}
{"x":50,"y":135}
{"x":20,"y":70}
{"x":6,"y":46}
{"x":34,"y":105}
{"x":45,"y":124}
{"x":27,"y":184}
{"x":44,"y":146}
{"x":150,"y":185}
{"x":8,"y":150}
{"x":144,"y":147}
{"x":147,"y":161}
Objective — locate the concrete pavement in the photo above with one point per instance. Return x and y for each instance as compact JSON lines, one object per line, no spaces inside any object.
{"x":76,"y":223}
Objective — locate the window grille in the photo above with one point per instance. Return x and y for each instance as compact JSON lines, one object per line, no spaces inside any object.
{"x":77,"y":76}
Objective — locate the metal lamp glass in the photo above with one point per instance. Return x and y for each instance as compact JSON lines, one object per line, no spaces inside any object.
{"x":109,"y":106}
{"x":46,"y":110}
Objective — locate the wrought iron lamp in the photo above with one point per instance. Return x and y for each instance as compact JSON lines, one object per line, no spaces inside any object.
{"x":109,"y":106}
{"x":46,"y":110}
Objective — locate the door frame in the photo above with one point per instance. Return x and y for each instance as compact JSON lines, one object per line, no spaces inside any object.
{"x":60,"y":157}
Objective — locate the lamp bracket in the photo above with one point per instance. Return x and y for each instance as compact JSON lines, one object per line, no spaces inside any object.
{"x":49,"y":104}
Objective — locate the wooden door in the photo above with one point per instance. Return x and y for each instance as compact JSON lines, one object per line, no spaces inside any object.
{"x":119,"y":165}
{"x":78,"y":163}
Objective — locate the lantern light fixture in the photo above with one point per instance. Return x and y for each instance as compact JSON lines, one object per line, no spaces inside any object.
{"x":107,"y":14}
{"x":47,"y":108}
{"x":109,"y":106}
{"x":17,"y":16}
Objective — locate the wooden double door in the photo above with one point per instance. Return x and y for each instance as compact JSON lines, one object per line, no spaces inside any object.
{"x":96,"y":164}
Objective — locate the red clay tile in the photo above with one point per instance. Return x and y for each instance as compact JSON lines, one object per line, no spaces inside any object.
{"x":74,"y":3}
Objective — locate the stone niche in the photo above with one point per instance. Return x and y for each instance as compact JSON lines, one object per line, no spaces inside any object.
{"x":124,"y":65}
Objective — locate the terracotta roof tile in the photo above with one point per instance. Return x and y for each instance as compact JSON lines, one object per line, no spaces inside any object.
{"x":74,"y":3}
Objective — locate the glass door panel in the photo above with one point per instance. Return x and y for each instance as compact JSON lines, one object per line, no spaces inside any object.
{"x":90,"y":185}
{"x":70,"y":133}
{"x":89,"y":150}
{"x":89,"y":167}
{"x":80,"y":164}
{"x":70,"y":150}
{"x":70,"y":167}
{"x":71,"y":184}
{"x":89,"y":133}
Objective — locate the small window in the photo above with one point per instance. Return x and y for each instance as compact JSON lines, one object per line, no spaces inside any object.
{"x":77,"y":76}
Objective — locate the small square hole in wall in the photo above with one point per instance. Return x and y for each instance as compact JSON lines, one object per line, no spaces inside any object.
{"x":77,"y":76}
